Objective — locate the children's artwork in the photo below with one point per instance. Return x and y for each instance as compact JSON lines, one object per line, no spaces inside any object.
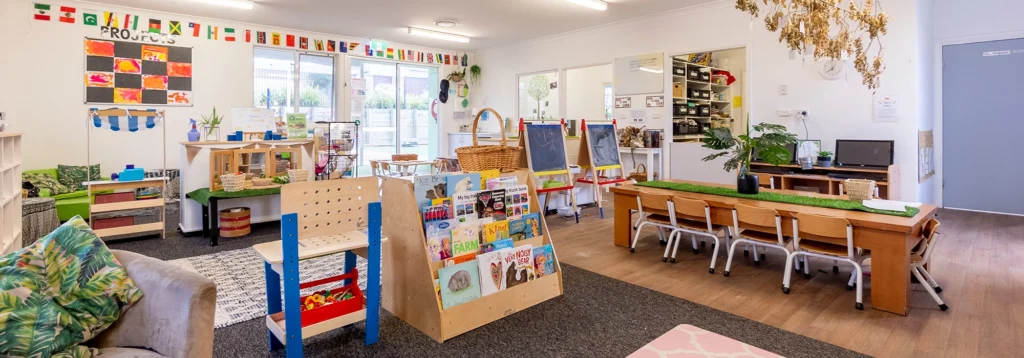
{"x":439,"y":239}
{"x":495,"y":231}
{"x":429,"y":187}
{"x":543,"y":261}
{"x":527,"y":227}
{"x":517,"y":265}
{"x":461,"y":183}
{"x":296,"y":125}
{"x":465,"y":239}
{"x":491,"y":203}
{"x":491,"y":275}
{"x":459,"y":284}
{"x":497,"y":245}
{"x":517,"y":201}
{"x":124,"y":72}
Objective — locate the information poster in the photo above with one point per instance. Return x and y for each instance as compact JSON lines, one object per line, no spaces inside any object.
{"x":887,"y":108}
{"x":296,"y":125}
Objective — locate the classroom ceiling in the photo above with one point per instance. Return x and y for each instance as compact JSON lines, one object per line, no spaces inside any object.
{"x":490,"y":23}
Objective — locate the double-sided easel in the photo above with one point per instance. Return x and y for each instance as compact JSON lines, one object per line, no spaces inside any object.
{"x":586,"y":163}
{"x":526,"y":161}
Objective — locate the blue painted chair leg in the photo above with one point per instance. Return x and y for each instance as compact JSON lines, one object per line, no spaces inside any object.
{"x":273,"y":302}
{"x":292,"y":306}
{"x":601,"y":211}
{"x":350,"y":264}
{"x":373,"y":275}
{"x":577,"y":218}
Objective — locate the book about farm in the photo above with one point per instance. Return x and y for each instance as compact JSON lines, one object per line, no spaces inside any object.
{"x":465,"y":239}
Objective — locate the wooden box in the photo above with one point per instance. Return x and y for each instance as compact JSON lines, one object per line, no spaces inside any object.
{"x":677,"y":90}
{"x":282,"y":159}
{"x":107,"y":223}
{"x":114,"y":197}
{"x":221,"y":162}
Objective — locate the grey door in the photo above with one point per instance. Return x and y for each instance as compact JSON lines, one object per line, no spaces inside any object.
{"x":983,"y":126}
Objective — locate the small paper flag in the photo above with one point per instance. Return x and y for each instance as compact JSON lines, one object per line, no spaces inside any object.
{"x":248,"y":36}
{"x":67,"y":14}
{"x":342,"y":47}
{"x":261,"y":37}
{"x":89,"y":18}
{"x":42,"y":12}
{"x":154,"y":26}
{"x":110,"y":19}
{"x":289,"y":40}
{"x":391,"y":53}
{"x":318,"y":45}
{"x":174,"y":27}
{"x":330,"y":46}
{"x":352,"y":46}
{"x":131,"y":21}
{"x":212,"y":32}
{"x":303,"y":43}
{"x":275,"y":39}
{"x":195,"y":26}
{"x":229,"y":35}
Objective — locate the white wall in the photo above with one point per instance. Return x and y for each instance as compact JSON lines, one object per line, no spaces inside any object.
{"x":838,"y":109}
{"x":927,"y":190}
{"x":45,"y":68}
{"x":584,"y":92}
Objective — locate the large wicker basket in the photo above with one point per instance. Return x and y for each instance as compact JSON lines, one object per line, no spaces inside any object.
{"x":859,"y":189}
{"x":233,"y":182}
{"x":487,"y":157}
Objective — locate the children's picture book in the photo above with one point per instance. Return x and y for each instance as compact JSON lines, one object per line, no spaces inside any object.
{"x":517,"y":265}
{"x":517,"y":201}
{"x":495,"y":231}
{"x":543,"y":261}
{"x":459,"y":259}
{"x":491,"y":203}
{"x":437,"y":212}
{"x":461,"y":183}
{"x":464,"y":205}
{"x":501,"y":183}
{"x":459,"y":284}
{"x":492,"y":278}
{"x":429,"y":187}
{"x":497,"y":245}
{"x":439,"y":239}
{"x":465,"y":239}
{"x":447,"y":200}
{"x":487,"y":175}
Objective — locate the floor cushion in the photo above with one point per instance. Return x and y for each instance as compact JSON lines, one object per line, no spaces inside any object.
{"x":69,"y":208}
{"x":72,"y":176}
{"x":46,"y":181}
{"x":59,"y":292}
{"x":128,"y":353}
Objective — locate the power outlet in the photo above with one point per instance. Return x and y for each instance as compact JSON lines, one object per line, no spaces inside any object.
{"x":783,"y":90}
{"x":801,"y":112}
{"x":3,"y":116}
{"x":783,"y":113}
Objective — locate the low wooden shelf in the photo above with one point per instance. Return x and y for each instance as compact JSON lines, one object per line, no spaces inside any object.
{"x":102,"y":185}
{"x":887,"y":188}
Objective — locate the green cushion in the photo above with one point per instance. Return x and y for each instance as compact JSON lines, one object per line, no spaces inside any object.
{"x":72,"y":176}
{"x":46,"y":181}
{"x":69,"y":208}
{"x":60,"y":292}
{"x":51,"y":171}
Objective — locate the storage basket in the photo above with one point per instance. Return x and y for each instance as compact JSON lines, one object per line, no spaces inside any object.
{"x":298,"y":175}
{"x":859,"y":189}
{"x":258,"y":182}
{"x":640,"y":174}
{"x":486,"y":157}
{"x":233,"y":182}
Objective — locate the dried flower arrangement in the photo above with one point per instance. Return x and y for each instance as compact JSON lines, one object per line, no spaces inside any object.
{"x":827,"y":30}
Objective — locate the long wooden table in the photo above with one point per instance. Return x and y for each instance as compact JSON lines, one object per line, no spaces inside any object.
{"x":889,"y":238}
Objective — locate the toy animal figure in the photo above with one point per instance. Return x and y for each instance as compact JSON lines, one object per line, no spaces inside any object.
{"x":514,"y":276}
{"x":459,"y":281}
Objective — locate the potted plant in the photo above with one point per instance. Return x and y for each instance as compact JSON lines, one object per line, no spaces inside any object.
{"x":770,"y":144}
{"x":474,"y":74}
{"x":824,"y":158}
{"x":211,"y":125}
{"x":457,"y":76}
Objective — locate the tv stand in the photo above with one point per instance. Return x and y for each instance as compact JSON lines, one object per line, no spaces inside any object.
{"x":818,"y":179}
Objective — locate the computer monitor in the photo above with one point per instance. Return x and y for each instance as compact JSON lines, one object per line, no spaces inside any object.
{"x":790,"y":147}
{"x":864,"y":153}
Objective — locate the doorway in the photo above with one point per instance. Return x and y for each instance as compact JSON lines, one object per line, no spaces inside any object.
{"x":392,"y":101}
{"x":981,"y":126}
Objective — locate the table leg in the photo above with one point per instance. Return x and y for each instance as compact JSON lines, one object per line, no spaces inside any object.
{"x":206,"y":221}
{"x":890,"y":270}
{"x":623,"y":218}
{"x":214,"y":223}
{"x":273,"y":302}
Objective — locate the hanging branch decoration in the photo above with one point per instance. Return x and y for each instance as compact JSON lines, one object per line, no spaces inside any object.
{"x":827,"y":30}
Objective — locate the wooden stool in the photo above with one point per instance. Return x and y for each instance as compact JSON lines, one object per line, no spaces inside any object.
{"x":234,"y":222}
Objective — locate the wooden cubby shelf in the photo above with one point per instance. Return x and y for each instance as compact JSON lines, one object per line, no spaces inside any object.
{"x":886,"y":180}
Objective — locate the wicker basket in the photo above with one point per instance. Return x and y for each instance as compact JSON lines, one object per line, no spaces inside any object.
{"x":298,"y":175}
{"x":233,"y":182}
{"x":640,"y":174}
{"x":486,"y":157}
{"x":258,"y":182}
{"x":859,"y":189}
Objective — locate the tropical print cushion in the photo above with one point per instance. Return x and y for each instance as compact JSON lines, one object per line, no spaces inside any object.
{"x":46,"y":181}
{"x":72,"y":176}
{"x":59,"y":292}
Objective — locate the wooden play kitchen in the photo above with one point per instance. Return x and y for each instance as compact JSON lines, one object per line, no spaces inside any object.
{"x":409,"y":273}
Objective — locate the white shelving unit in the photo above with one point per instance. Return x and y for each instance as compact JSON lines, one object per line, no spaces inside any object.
{"x":10,"y":192}
{"x":720,"y":98}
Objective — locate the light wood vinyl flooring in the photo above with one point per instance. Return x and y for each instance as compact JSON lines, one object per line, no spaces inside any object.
{"x":979,"y":264}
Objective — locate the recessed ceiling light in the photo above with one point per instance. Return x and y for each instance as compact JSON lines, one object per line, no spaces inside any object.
{"x":593,"y":4}
{"x":438,"y":35}
{"x":240,"y":4}
{"x":446,"y":23}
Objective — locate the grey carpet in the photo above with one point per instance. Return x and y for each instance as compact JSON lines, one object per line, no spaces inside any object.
{"x":597,"y":317}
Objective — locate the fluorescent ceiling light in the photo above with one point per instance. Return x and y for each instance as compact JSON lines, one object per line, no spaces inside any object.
{"x":240,"y":4}
{"x":593,"y":4}
{"x":651,"y":70}
{"x":446,"y":23}
{"x":438,"y":35}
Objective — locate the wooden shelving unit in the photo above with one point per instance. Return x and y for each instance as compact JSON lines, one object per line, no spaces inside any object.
{"x":888,"y":186}
{"x":713,"y":101}
{"x":10,"y":192}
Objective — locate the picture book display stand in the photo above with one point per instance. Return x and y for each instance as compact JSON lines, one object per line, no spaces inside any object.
{"x":599,"y":152}
{"x":409,"y":274}
{"x":546,"y":156}
{"x":323,"y":218}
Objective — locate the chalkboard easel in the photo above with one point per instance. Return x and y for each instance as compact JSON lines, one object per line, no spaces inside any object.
{"x":599,"y":152}
{"x":546,"y":155}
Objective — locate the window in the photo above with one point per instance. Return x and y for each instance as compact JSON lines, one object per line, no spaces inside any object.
{"x":538,"y":96}
{"x":294,"y":82}
{"x":609,"y":101}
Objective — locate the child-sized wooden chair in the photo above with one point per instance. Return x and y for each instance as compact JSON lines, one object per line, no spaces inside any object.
{"x":828,"y":238}
{"x":694,"y":217}
{"x":757,"y":227}
{"x":654,"y":210}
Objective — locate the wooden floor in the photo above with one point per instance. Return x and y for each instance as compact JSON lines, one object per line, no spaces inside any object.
{"x":979,"y":264}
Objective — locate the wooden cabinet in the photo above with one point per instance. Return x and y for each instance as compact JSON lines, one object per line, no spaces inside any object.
{"x":282,"y":159}
{"x":253,"y":161}
{"x":222,"y":161}
{"x":10,"y":192}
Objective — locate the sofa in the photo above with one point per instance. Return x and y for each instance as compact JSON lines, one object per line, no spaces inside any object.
{"x":70,"y":204}
{"x":173,"y":319}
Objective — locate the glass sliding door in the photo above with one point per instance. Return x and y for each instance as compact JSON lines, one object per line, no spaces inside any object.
{"x":418,"y":130}
{"x":316,"y":87}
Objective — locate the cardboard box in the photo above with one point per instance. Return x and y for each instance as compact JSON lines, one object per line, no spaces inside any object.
{"x":677,"y":90}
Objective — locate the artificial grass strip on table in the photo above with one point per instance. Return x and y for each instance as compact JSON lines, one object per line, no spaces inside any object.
{"x":203,"y":195}
{"x":778,"y":198}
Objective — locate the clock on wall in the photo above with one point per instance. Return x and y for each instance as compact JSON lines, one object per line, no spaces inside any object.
{"x":832,"y":69}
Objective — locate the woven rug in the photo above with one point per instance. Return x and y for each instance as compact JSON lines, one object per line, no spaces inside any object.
{"x":241,"y":282}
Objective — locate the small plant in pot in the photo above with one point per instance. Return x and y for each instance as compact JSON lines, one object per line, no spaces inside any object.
{"x":824,"y":158}
{"x":769,"y":141}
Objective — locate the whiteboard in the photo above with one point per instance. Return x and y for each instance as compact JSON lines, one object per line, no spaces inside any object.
{"x":640,"y":74}
{"x":253,"y":119}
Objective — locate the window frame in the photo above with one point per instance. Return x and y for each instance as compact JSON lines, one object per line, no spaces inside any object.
{"x":339,"y":60}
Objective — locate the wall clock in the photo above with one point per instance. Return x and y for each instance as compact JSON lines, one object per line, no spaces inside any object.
{"x":832,"y":69}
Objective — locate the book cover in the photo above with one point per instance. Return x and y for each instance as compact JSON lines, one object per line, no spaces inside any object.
{"x":465,"y":239}
{"x":459,"y":259}
{"x":517,"y":265}
{"x":495,"y":231}
{"x":492,"y":278}
{"x":491,"y":203}
{"x":296,"y":125}
{"x":464,"y":205}
{"x":461,"y":183}
{"x":501,"y":183}
{"x":429,"y":187}
{"x":497,"y":245}
{"x":517,"y":201}
{"x":487,"y":175}
{"x":459,"y":284}
{"x":439,"y":239}
{"x":543,"y":261}
{"x":437,"y":212}
{"x":440,"y":201}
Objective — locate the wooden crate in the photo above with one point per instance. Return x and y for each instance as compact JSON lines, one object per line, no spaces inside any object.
{"x":408,"y":284}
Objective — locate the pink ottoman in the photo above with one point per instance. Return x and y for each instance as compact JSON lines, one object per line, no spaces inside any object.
{"x":689,"y":341}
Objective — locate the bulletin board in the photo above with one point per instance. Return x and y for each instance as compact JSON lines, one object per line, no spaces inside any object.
{"x":135,"y":73}
{"x":253,"y":119}
{"x":643,"y":74}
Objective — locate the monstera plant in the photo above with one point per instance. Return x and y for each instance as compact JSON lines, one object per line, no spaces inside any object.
{"x":769,"y":143}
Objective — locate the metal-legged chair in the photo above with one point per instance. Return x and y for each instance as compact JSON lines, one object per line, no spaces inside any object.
{"x":920,"y":257}
{"x":829,"y":238}
{"x":655,"y":211}
{"x":693,"y":217}
{"x":754,"y":226}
